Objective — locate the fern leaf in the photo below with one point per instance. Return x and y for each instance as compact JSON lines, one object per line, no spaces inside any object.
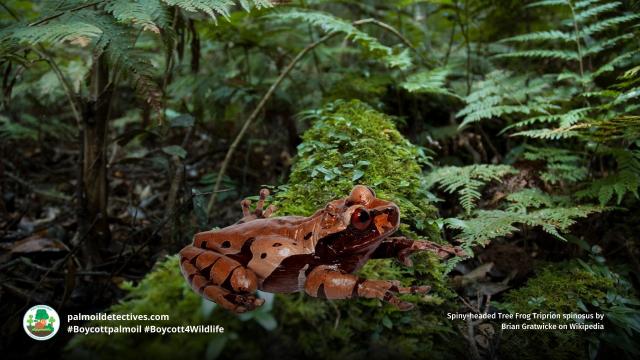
{"x":568,"y":55}
{"x":330,"y":24}
{"x":607,"y":24}
{"x":67,"y":28}
{"x":599,"y":46}
{"x":490,"y":224}
{"x":552,"y":35}
{"x":149,"y":14}
{"x":548,"y":3}
{"x":466,"y":181}
{"x":429,"y":82}
{"x":582,"y":16}
{"x":584,"y":4}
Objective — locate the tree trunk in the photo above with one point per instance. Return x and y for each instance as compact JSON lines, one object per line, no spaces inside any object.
{"x":94,"y":163}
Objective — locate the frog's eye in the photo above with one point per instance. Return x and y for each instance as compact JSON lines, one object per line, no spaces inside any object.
{"x":360,"y":219}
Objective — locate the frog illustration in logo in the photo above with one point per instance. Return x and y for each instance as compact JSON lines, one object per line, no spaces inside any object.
{"x":41,"y":322}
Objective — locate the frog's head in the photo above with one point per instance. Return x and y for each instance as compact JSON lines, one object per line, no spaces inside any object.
{"x":358,"y":222}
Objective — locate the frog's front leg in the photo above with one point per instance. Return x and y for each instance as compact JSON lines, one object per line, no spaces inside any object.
{"x":220,"y":279}
{"x":330,"y":283}
{"x":400,"y":247}
{"x":258,"y":213}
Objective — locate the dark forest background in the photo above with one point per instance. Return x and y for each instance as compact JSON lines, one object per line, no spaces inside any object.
{"x":128,"y":126}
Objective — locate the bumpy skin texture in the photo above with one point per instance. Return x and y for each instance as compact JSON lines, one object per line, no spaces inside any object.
{"x":315,"y":254}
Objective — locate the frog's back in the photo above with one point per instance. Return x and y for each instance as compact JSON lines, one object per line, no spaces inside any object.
{"x":237,"y":239}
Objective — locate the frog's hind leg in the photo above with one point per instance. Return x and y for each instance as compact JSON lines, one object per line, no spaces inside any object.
{"x":329,"y":283}
{"x":220,"y":279}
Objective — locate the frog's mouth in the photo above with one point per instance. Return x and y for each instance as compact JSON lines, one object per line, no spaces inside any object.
{"x":384,"y":221}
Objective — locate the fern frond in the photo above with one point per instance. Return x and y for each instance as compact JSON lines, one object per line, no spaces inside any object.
{"x":529,"y":198}
{"x":209,"y":7}
{"x":490,"y":224}
{"x":619,"y":184}
{"x":568,"y":55}
{"x":554,"y":35}
{"x":548,"y":3}
{"x":66,"y":28}
{"x":607,"y":24}
{"x":429,"y":82}
{"x":331,"y":24}
{"x":582,"y":16}
{"x":561,"y":165}
{"x":599,"y":46}
{"x":552,"y":134}
{"x":584,"y":4}
{"x":466,"y":181}
{"x":564,"y":119}
{"x":151,"y":15}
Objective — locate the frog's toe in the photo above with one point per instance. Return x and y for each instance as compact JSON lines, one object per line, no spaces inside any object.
{"x":270,"y":210}
{"x":405,"y":306}
{"x":245,"y":204}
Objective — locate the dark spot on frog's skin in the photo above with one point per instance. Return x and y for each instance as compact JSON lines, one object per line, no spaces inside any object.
{"x":281,"y":222}
{"x":207,"y":271}
{"x":308,"y":235}
{"x":295,"y":243}
{"x":277,"y":244}
{"x":264,"y":255}
{"x":203,"y":245}
{"x":226,"y":244}
{"x":321,"y":293}
{"x":245,"y":255}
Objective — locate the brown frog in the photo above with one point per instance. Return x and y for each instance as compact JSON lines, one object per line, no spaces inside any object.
{"x":317,"y":254}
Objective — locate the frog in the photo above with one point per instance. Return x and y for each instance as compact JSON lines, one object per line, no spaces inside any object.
{"x":318,"y":254}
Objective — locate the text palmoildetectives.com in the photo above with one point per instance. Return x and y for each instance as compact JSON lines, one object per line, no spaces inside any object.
{"x":117,"y":317}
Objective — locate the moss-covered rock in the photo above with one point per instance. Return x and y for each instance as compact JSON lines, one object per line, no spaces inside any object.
{"x":350,"y":143}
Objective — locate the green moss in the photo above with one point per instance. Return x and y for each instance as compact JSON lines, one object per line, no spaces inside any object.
{"x":369,"y":89}
{"x":351,"y":143}
{"x":558,"y":288}
{"x":561,"y":288}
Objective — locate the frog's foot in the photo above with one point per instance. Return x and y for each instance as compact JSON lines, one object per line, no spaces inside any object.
{"x":325,"y":282}
{"x":401,"y":248}
{"x":220,"y":279}
{"x":235,"y":302}
{"x":443,"y":251}
{"x":259,"y":212}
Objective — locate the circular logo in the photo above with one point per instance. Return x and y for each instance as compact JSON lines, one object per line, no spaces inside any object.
{"x":41,"y":322}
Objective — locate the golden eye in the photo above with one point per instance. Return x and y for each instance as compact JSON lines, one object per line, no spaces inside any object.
{"x":360,"y":219}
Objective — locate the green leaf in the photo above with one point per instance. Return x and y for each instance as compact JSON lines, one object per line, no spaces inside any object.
{"x":266,"y":320}
{"x":175,"y":150}
{"x":184,"y":120}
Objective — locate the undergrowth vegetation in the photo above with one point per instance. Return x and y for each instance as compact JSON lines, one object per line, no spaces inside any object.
{"x":508,"y":128}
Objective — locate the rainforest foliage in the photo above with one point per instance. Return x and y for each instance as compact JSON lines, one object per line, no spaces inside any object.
{"x":508,"y":128}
